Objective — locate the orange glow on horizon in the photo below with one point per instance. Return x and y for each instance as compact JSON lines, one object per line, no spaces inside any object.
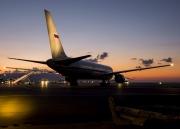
{"x":165,"y":73}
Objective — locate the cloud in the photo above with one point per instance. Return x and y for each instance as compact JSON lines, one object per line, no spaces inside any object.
{"x":167,"y":60}
{"x":147,"y":63}
{"x":7,"y":71}
{"x":141,"y":59}
{"x":95,"y":60}
{"x":103,"y":55}
{"x":35,"y":68}
{"x":89,"y":52}
{"x":99,"y":57}
{"x":133,"y":58}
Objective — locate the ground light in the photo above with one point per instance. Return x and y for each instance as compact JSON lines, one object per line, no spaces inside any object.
{"x":160,"y":83}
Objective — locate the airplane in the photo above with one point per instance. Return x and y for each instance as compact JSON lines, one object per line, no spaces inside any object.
{"x":77,"y":68}
{"x":26,"y":76}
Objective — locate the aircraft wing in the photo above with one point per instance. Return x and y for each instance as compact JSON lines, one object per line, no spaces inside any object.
{"x":35,"y":70}
{"x":32,"y":71}
{"x":130,"y":70}
{"x":19,"y":68}
{"x":40,"y":62}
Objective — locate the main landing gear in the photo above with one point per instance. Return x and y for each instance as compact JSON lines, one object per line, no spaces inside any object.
{"x":104,"y":83}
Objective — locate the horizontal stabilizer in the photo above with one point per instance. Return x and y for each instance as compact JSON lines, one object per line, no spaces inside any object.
{"x":71,"y":60}
{"x":40,"y":62}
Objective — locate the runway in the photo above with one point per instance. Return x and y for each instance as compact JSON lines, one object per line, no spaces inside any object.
{"x":54,"y":105}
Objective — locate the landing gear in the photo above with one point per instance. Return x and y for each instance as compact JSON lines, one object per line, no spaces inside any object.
{"x":104,"y":83}
{"x":30,"y":83}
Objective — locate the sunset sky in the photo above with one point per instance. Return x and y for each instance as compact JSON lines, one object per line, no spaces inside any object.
{"x":133,"y":33}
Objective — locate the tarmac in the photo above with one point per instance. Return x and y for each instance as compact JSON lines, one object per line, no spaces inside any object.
{"x":85,"y":106}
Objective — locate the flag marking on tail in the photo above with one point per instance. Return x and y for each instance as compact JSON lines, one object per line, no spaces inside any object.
{"x":56,"y":36}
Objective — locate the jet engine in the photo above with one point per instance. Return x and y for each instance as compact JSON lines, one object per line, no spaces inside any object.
{"x":119,"y":78}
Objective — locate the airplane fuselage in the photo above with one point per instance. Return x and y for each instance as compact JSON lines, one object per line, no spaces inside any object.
{"x":81,"y":69}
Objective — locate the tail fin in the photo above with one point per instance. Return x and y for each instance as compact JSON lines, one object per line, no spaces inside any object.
{"x":55,"y":43}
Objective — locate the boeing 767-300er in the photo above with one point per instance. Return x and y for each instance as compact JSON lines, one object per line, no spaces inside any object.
{"x":76,"y":68}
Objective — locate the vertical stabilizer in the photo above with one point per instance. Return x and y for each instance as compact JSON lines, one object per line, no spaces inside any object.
{"x":55,"y":43}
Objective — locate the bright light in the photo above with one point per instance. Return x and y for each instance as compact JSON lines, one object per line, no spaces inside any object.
{"x":160,"y":83}
{"x":119,"y":85}
{"x":44,"y":83}
{"x":127,"y":82}
{"x":172,"y":64}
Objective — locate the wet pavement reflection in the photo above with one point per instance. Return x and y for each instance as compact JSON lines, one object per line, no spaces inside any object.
{"x":44,"y":103}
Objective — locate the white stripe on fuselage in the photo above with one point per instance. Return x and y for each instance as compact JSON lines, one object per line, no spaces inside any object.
{"x":92,"y":66}
{"x":82,"y":69}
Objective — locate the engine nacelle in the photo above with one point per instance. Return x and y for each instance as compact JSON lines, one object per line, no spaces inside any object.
{"x":119,"y":78}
